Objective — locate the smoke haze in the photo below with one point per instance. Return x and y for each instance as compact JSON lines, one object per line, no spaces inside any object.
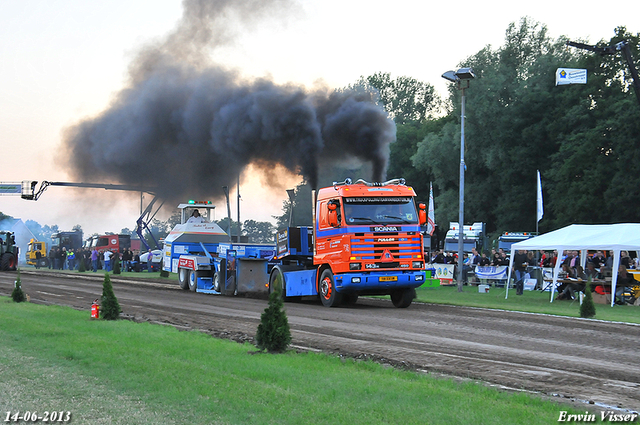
{"x":188,"y":127}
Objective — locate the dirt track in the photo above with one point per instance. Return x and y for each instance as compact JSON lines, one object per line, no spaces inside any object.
{"x":564,"y":357}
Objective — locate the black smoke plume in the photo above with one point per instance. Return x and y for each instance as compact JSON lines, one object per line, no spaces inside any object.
{"x":188,"y":127}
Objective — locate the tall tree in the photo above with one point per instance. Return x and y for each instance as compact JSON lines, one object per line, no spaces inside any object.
{"x":581,"y":138}
{"x":404,"y":98}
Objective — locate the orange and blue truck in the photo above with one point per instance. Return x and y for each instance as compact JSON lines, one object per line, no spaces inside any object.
{"x":365,"y":240}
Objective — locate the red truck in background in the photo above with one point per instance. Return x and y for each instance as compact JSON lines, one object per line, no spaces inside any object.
{"x":114,"y":243}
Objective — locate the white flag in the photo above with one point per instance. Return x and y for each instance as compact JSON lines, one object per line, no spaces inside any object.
{"x":540,"y":208}
{"x":431,"y":219}
{"x":570,"y":76}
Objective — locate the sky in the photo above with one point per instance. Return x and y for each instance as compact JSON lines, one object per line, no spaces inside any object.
{"x":64,"y":61}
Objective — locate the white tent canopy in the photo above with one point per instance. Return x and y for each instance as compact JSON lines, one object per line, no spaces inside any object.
{"x":583,"y":237}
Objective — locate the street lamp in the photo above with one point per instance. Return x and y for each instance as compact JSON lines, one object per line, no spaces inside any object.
{"x":461,"y":77}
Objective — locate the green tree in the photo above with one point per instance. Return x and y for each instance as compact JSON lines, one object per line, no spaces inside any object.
{"x":588,"y":307}
{"x":259,"y":231}
{"x":159,"y":229}
{"x":580,"y":137}
{"x":18,"y":294}
{"x":224,"y":225}
{"x":404,"y":98}
{"x":273,"y":333}
{"x":109,"y":306}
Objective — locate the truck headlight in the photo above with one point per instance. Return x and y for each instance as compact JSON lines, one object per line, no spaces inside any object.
{"x":417,"y":264}
{"x":355,"y":280}
{"x":355,"y":266}
{"x":419,"y":277}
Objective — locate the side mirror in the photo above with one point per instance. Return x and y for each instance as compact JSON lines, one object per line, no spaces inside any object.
{"x":333,"y":214}
{"x":422,"y":214}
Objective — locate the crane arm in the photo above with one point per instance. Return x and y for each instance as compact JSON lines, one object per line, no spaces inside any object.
{"x":31,"y":191}
{"x":29,"y":188}
{"x":622,"y":46}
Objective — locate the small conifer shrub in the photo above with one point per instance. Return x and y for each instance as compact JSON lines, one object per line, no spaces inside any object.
{"x":588,"y":307}
{"x":273,"y":333}
{"x":110,"y":308}
{"x":17,"y":294}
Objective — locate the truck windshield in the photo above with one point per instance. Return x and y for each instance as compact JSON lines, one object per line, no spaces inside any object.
{"x":380,"y":210}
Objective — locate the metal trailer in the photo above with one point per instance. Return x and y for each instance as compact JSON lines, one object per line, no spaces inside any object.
{"x":232,"y":269}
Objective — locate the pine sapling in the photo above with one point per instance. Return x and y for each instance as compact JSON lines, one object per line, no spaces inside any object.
{"x":17,"y":294}
{"x":273,"y":333}
{"x":588,"y":307}
{"x":110,"y":308}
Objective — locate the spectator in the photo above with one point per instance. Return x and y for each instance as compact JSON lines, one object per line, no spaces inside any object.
{"x":624,"y":284}
{"x":530,"y":259}
{"x":625,"y":260}
{"x":107,"y":260}
{"x":551,"y":259}
{"x":94,"y":260}
{"x":136,"y":260}
{"x":38,"y":257}
{"x":127,"y":256}
{"x":71,"y":259}
{"x":591,"y":271}
{"x":598,"y":259}
{"x":520,"y":264}
{"x":149,"y":261}
{"x":475,"y":257}
{"x":439,"y":258}
{"x":484,"y":261}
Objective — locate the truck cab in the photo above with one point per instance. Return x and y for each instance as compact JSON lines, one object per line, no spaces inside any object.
{"x":368,"y":241}
{"x":32,"y":258}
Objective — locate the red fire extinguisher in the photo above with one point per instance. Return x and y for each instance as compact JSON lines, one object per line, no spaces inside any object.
{"x":95,"y":310}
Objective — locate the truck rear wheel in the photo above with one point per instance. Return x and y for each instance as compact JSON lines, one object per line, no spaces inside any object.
{"x":402,"y":298}
{"x":277,"y":280}
{"x":183,"y":278}
{"x":219,"y":282}
{"x":8,"y":261}
{"x":328,"y":294}
{"x":192,"y":280}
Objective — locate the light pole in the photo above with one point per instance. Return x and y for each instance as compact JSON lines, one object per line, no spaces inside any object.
{"x":461,"y":77}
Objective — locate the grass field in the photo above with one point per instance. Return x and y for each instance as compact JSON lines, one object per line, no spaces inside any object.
{"x":529,"y":301}
{"x":57,"y":359}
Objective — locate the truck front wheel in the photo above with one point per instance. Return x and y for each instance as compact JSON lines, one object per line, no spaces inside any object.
{"x":328,"y":294}
{"x":402,"y":298}
{"x":276,"y":283}
{"x":192,"y":280}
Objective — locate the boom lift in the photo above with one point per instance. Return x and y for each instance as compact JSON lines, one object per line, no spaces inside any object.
{"x":30,"y":191}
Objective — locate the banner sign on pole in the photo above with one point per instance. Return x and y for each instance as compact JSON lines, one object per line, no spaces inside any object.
{"x":491,"y":272}
{"x":570,"y":76}
{"x":444,"y":272}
